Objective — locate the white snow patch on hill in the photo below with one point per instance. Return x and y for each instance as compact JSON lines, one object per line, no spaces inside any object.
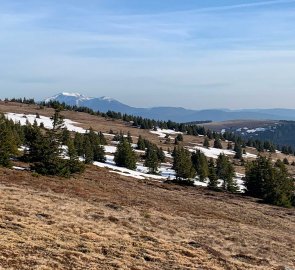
{"x":212,"y":152}
{"x":163,"y":132}
{"x":47,"y":122}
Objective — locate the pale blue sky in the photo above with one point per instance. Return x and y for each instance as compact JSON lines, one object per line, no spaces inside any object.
{"x":190,"y":53}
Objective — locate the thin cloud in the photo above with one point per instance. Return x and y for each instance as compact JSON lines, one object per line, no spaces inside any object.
{"x":215,"y":9}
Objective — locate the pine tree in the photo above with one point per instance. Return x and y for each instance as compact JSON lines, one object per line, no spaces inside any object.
{"x":88,"y":150}
{"x":125,"y":156}
{"x":161,"y":154}
{"x":140,"y":143}
{"x":129,"y":138}
{"x":206,"y":143}
{"x":151,"y":159}
{"x":78,"y":142}
{"x":49,"y":150}
{"x":217,"y":144}
{"x":73,"y":163}
{"x":271,"y":183}
{"x":213,"y":179}
{"x":102,"y":139}
{"x":99,"y":154}
{"x":200,"y":164}
{"x":182,"y":164}
{"x":8,"y":145}
{"x":65,"y":136}
{"x":225,"y":171}
{"x":239,"y":151}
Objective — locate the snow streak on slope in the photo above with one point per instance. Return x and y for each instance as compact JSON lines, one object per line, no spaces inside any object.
{"x":47,"y":122}
{"x":163,"y":132}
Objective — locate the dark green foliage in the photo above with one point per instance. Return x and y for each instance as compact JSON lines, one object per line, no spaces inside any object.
{"x":8,"y":142}
{"x":129,"y":138}
{"x":125,"y":156}
{"x":151,"y":159}
{"x":73,"y":163}
{"x":78,"y":142}
{"x":225,"y":171}
{"x":272,"y":183}
{"x":206,"y":143}
{"x":217,"y":143}
{"x":47,"y":154}
{"x":140,"y":143}
{"x":161,"y":154}
{"x":182,"y":164}
{"x":88,"y":150}
{"x":179,"y":138}
{"x":99,"y":153}
{"x":65,"y":136}
{"x":213,"y":179}
{"x":239,"y":151}
{"x":200,"y":164}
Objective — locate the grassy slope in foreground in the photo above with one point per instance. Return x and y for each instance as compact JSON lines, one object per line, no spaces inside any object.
{"x":104,"y":221}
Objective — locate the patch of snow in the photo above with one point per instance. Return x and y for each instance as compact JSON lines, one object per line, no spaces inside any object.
{"x":110,"y":149}
{"x":249,"y":155}
{"x":212,"y":152}
{"x":256,"y":130}
{"x":19,"y":168}
{"x":47,"y":122}
{"x":163,"y":132}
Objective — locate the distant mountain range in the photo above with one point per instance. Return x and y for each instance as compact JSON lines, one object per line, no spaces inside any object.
{"x":104,"y":104}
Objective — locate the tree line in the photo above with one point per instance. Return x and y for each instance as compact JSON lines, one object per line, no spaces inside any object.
{"x":186,"y":128}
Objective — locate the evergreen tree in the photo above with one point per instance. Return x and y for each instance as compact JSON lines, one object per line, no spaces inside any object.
{"x":33,"y":141}
{"x":200,"y":164}
{"x":206,"y":143}
{"x":271,"y":183}
{"x":88,"y":150}
{"x":225,"y":171}
{"x":49,"y":150}
{"x":239,"y":151}
{"x":161,"y":154}
{"x":182,"y":164}
{"x":213,"y":179}
{"x":129,"y":138}
{"x":151,"y":159}
{"x":217,"y":143}
{"x":140,"y":143}
{"x":73,"y":163}
{"x":99,"y":153}
{"x":8,"y":146}
{"x":125,"y":156}
{"x":102,"y":139}
{"x":65,"y":136}
{"x":78,"y":142}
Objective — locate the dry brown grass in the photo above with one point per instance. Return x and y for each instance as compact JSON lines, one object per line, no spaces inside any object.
{"x":104,"y":221}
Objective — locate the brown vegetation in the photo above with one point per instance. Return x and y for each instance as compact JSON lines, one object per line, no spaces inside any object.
{"x":104,"y":221}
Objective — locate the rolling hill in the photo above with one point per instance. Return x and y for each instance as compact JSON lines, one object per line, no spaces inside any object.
{"x":177,"y":114}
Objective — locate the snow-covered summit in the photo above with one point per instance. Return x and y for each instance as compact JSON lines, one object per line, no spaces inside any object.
{"x":107,"y":99}
{"x":68,"y":98}
{"x":103,"y":104}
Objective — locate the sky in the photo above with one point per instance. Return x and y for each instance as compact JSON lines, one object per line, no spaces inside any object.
{"x":190,"y":53}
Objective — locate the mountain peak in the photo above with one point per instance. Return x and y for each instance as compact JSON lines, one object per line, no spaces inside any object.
{"x":107,"y":98}
{"x":68,"y":94}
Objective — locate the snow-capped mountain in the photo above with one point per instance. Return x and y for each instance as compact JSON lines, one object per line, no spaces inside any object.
{"x":104,"y":104}
{"x":69,"y":98}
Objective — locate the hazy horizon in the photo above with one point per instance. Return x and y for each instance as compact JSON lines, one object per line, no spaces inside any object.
{"x":191,"y":54}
